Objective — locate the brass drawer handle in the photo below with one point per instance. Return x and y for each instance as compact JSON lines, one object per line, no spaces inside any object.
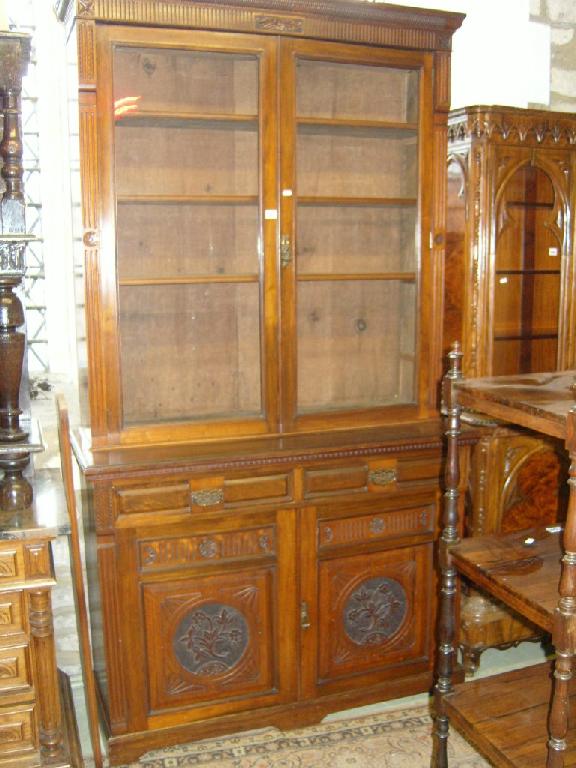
{"x":382,"y":476}
{"x":304,"y":616}
{"x":209,"y":497}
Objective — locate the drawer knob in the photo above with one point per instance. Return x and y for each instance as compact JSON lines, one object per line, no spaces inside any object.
{"x":382,"y":476}
{"x":376,"y":525}
{"x":209,"y":497}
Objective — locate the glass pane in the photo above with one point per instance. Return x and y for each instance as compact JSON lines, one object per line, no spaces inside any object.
{"x":187,"y":179}
{"x":195,"y":158}
{"x":337,"y":90}
{"x":356,"y":344}
{"x":356,"y":162}
{"x":356,"y":239}
{"x":190,"y":81}
{"x":527,"y":279}
{"x":190,"y":351}
{"x":510,"y":356}
{"x":217,"y":239}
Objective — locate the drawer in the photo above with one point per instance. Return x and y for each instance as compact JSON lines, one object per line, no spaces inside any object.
{"x":11,"y":613}
{"x":373,"y":476}
{"x":11,"y":563}
{"x":25,"y":561}
{"x":353,"y":529}
{"x":199,"y":493}
{"x":15,"y":673}
{"x":186,"y":551}
{"x":18,"y":731}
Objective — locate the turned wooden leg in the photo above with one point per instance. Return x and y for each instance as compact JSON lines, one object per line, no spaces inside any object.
{"x":563,"y":632}
{"x":44,"y":654}
{"x":448,"y":576}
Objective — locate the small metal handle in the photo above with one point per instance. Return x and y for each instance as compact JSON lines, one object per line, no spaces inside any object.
{"x":382,"y":476}
{"x":285,"y":251}
{"x":304,"y":616}
{"x":208,"y":497}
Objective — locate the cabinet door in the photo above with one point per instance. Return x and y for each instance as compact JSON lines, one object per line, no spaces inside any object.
{"x":355,"y":127}
{"x":368,"y":594}
{"x":209,"y":609}
{"x":187,"y":335}
{"x":531,"y":239}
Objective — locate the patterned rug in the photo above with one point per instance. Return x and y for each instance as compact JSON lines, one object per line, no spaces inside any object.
{"x":393,"y":739}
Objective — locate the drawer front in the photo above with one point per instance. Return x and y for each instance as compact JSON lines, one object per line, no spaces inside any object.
{"x":18,"y":731}
{"x":184,"y":551}
{"x":370,"y":477}
{"x":11,"y":613}
{"x":14,"y":669}
{"x":354,"y":529}
{"x":11,"y":563}
{"x":204,"y":493}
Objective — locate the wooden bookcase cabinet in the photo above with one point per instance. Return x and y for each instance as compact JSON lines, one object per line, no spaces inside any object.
{"x":510,"y":240}
{"x":263,"y":202}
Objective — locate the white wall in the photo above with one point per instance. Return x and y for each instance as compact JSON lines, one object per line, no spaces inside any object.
{"x":499,"y":55}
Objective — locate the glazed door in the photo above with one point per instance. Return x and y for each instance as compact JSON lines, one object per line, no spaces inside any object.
{"x":354,"y":262}
{"x":531,"y":254}
{"x":188,"y":119}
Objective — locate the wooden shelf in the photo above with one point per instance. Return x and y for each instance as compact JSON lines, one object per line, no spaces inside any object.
{"x":349,"y":201}
{"x":528,"y":272}
{"x":505,"y":717}
{"x":403,"y":276}
{"x":188,"y":280}
{"x":521,"y":569}
{"x":188,"y":199}
{"x":153,"y":117}
{"x":525,"y":336}
{"x":337,"y":122}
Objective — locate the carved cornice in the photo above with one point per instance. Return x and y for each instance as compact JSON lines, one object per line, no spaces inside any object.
{"x":530,"y":128}
{"x":372,"y":23}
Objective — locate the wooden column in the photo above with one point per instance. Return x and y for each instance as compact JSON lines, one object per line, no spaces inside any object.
{"x":46,"y":672}
{"x":448,"y":577}
{"x":564,"y":629}
{"x":15,"y":490}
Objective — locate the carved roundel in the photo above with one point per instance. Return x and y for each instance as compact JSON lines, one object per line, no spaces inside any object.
{"x":375,"y":611}
{"x":211,"y":639}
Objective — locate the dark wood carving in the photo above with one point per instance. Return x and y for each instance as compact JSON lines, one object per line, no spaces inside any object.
{"x":211,"y":639}
{"x":375,"y":611}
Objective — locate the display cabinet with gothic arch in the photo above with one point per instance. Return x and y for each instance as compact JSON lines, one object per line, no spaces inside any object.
{"x":510,"y":241}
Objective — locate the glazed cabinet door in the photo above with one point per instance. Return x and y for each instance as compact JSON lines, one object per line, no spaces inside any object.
{"x":367,"y":593}
{"x":531,"y":251}
{"x":354,"y":209}
{"x":187,"y":338}
{"x":209,"y":611}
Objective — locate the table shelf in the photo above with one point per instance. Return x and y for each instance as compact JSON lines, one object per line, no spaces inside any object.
{"x":505,"y":717}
